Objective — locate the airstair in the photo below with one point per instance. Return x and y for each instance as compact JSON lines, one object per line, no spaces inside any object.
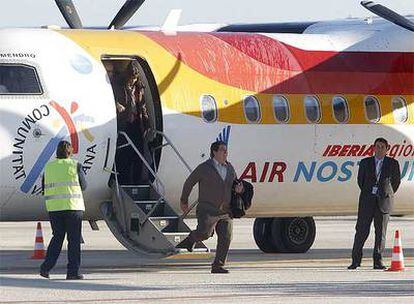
{"x":140,"y":216}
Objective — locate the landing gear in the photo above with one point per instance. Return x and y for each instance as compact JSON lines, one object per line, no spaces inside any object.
{"x":284,"y":235}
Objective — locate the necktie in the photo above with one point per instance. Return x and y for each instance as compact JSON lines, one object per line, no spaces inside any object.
{"x":378,"y":169}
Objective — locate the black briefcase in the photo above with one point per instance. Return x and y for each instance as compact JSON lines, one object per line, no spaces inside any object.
{"x":241,"y":202}
{"x":237,"y":206}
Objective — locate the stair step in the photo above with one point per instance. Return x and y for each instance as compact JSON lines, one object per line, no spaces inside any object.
{"x":169,"y":224}
{"x":147,"y":206}
{"x":199,"y":247}
{"x":138,"y":192}
{"x":162,"y":229}
{"x":176,"y":237}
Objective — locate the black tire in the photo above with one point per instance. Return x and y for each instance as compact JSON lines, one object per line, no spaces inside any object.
{"x":277,"y":230}
{"x":298,"y":233}
{"x":262,"y":234}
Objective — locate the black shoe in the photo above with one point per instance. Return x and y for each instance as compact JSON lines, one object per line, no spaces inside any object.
{"x":379,"y":266}
{"x":186,"y":244}
{"x":353,"y":266}
{"x":218,"y":269}
{"x":74,"y":277}
{"x":44,"y":274}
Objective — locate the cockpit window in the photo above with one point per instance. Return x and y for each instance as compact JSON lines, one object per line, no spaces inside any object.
{"x":19,"y":79}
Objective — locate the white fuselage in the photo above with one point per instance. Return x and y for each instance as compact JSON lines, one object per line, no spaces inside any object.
{"x":304,"y":180}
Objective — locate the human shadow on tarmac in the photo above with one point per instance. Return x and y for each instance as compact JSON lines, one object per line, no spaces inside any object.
{"x":312,"y":254}
{"x":71,"y":285}
{"x":372,"y":288}
{"x":18,"y":261}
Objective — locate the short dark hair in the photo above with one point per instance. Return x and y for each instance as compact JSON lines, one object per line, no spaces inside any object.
{"x":381,"y":140}
{"x":64,"y":149}
{"x":215,"y":146}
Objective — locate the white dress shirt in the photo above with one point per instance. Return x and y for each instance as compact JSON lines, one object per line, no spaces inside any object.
{"x":221,"y":169}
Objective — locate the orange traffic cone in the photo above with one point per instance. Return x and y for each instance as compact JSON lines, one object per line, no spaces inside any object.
{"x":397,"y":261}
{"x":39,"y":250}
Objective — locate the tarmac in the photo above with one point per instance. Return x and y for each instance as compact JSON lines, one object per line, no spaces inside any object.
{"x":114,"y":275}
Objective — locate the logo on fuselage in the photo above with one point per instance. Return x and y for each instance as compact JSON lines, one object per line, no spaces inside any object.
{"x":334,"y":165}
{"x":70,"y":129}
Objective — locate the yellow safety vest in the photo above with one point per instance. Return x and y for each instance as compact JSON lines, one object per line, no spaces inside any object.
{"x":62,"y":188}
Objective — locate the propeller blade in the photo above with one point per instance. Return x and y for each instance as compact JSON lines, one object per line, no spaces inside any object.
{"x":125,"y":13}
{"x":388,"y":14}
{"x":68,"y":10}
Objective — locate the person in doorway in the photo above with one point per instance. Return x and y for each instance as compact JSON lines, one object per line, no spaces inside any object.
{"x":133,"y":119}
{"x":215,"y":179}
{"x":378,"y":178}
{"x":63,"y":183}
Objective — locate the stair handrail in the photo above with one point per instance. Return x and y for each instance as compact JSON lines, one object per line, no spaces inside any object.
{"x":154,"y":174}
{"x":175,"y":149}
{"x":194,"y":204}
{"x":118,"y":196}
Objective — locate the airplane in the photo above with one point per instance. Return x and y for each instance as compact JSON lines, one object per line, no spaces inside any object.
{"x":299,"y":105}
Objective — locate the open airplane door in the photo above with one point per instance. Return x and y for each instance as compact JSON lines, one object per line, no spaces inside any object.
{"x":139,"y":215}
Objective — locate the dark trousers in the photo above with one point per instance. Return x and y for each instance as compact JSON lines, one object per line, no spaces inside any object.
{"x":223,"y":225}
{"x":368,"y":210}
{"x":65,"y":222}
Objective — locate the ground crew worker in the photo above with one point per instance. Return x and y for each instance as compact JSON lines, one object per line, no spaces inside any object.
{"x":63,"y":182}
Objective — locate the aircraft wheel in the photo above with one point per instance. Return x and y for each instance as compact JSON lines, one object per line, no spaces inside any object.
{"x":298,"y":234}
{"x":277,"y":230}
{"x":262,"y":234}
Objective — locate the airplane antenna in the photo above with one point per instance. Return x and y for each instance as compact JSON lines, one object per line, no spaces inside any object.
{"x":68,"y":10}
{"x":388,"y":14}
{"x":125,"y":13}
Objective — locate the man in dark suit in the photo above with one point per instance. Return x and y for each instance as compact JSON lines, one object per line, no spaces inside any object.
{"x":378,"y":178}
{"x":215,"y":178}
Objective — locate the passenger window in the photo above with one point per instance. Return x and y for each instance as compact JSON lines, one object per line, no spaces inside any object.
{"x":19,"y":79}
{"x":372,"y":109}
{"x":281,"y":108}
{"x":251,"y":109}
{"x":208,"y":108}
{"x":399,"y":109}
{"x":340,"y":109}
{"x":312,"y":109}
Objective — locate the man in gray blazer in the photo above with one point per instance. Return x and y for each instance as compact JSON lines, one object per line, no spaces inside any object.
{"x":215,"y":179}
{"x":378,"y":178}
